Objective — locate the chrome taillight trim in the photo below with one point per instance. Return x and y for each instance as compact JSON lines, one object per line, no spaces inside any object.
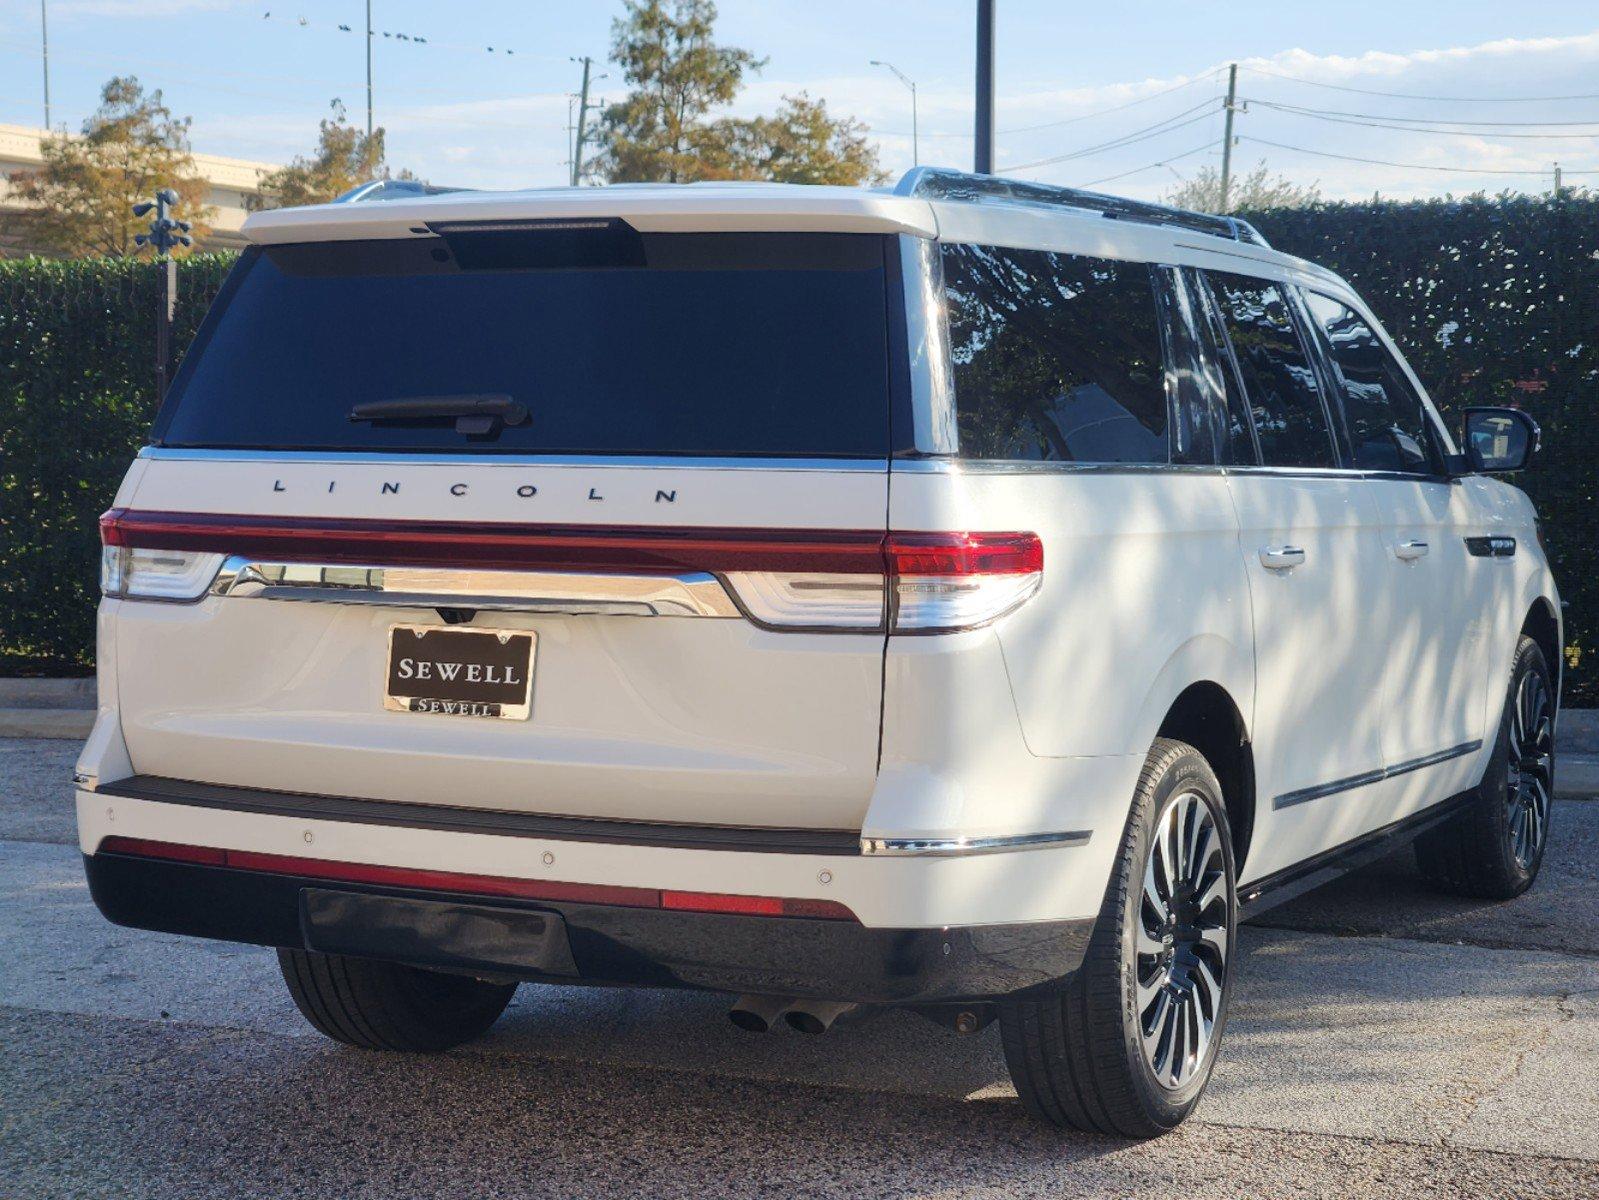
{"x":696,"y":594}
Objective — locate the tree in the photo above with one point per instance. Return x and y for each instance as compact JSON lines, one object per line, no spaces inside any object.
{"x":344,"y":157}
{"x":1253,"y":191}
{"x":677,"y":76}
{"x":81,"y":200}
{"x":800,"y":144}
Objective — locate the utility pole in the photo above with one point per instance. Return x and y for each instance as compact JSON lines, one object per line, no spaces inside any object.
{"x":368,"y":70}
{"x":583,"y":107}
{"x":44,"y":41}
{"x":1557,"y":181}
{"x":165,"y":233}
{"x":916,"y":154}
{"x":983,"y":156}
{"x":1227,"y":134}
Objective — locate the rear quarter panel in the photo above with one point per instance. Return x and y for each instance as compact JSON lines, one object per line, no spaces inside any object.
{"x":1143,"y":594}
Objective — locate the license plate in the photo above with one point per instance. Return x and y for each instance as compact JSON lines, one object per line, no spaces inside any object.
{"x":460,"y":672}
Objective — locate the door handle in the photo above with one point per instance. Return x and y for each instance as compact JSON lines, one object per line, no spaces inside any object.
{"x":1410,"y":551}
{"x":1281,"y":558}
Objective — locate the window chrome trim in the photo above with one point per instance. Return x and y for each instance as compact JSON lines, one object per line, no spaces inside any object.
{"x":929,"y":847}
{"x":694,"y":594}
{"x":480,"y":459}
{"x":1366,"y":778}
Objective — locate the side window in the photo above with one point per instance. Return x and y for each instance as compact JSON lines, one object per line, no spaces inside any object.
{"x":1290,"y":420}
{"x":1389,"y":429}
{"x":1057,"y":357}
{"x":1214,"y":374}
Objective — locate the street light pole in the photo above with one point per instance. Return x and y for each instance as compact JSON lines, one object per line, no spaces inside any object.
{"x":44,"y":42}
{"x":369,"y":70}
{"x":983,"y":156}
{"x":916,"y":154}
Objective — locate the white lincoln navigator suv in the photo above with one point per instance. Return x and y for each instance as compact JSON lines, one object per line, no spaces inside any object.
{"x":973,"y":597}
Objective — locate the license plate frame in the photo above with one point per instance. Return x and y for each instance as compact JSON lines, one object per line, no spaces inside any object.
{"x":492,"y":675}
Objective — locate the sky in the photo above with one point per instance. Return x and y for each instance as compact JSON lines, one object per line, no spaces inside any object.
{"x":1446,"y":97}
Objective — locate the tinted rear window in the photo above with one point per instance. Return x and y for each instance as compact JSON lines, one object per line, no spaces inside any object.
{"x":614,"y":342}
{"x":1057,"y":357}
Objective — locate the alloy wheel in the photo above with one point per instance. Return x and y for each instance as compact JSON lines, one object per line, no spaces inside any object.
{"x":1530,"y":779}
{"x":1183,"y":940}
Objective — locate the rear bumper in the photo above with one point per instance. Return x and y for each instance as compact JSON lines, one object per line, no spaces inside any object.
{"x":589,"y":943}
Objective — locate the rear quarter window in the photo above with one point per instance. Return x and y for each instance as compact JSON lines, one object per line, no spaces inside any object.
{"x":1057,"y":357}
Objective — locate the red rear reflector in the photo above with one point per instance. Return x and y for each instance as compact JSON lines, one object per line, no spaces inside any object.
{"x":483,"y":885}
{"x":145,"y":848}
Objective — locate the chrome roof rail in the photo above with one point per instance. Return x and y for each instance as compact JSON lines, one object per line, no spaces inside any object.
{"x":394,"y":189}
{"x":941,"y":183}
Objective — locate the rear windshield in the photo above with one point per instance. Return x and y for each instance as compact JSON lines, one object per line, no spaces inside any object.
{"x":584,"y":339}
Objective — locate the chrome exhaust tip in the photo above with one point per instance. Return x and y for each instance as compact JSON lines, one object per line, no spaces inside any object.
{"x":757,"y":1014}
{"x":816,"y":1016}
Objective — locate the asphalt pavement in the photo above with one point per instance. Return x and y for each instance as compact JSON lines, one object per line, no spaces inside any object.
{"x":1384,"y":1041}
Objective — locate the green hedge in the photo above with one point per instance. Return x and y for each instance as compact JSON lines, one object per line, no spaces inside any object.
{"x":77,"y":392}
{"x":1494,"y":300}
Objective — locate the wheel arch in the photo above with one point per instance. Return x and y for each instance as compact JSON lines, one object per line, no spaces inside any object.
{"x":1205,"y":715}
{"x":1542,"y":625}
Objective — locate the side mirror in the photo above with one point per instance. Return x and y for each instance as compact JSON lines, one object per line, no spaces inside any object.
{"x":1496,"y":440}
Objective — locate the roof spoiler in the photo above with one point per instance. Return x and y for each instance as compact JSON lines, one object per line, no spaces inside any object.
{"x":394,"y":189}
{"x":941,"y":183}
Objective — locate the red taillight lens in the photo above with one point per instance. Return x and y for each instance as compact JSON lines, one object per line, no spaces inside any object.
{"x":964,"y":554}
{"x":480,"y":885}
{"x":949,"y":581}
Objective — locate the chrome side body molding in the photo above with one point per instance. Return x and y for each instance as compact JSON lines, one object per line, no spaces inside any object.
{"x":1366,"y":778}
{"x":973,"y":845}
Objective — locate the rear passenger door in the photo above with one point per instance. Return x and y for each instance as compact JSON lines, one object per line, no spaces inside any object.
{"x":1427,"y":595}
{"x":1312,"y":553}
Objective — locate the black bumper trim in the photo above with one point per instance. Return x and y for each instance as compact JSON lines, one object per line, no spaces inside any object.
{"x":448,"y":818}
{"x":784,"y":956}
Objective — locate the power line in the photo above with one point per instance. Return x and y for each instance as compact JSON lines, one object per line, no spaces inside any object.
{"x":1380,"y":162}
{"x":230,"y":74}
{"x":1432,"y":129}
{"x":1140,"y":135}
{"x":1151,"y":166}
{"x":1335,"y":112}
{"x":1115,"y":108}
{"x":1338,"y":87}
{"x":1101,"y":112}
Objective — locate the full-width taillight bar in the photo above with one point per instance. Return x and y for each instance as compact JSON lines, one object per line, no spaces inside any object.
{"x":826,"y":579}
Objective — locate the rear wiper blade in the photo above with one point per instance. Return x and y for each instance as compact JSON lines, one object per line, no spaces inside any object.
{"x":474,"y":415}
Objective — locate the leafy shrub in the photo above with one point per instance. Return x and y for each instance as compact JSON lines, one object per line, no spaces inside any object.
{"x":77,"y":393}
{"x":1494,"y":300}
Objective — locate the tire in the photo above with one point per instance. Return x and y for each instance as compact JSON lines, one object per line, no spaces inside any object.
{"x":1082,"y":1058}
{"x":1493,"y":848}
{"x":389,"y":1006}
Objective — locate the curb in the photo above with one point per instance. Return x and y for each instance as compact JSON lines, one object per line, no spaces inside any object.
{"x":1577,"y":777}
{"x":68,"y":724}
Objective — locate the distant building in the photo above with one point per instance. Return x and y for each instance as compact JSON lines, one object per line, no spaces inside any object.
{"x":233,"y":182}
